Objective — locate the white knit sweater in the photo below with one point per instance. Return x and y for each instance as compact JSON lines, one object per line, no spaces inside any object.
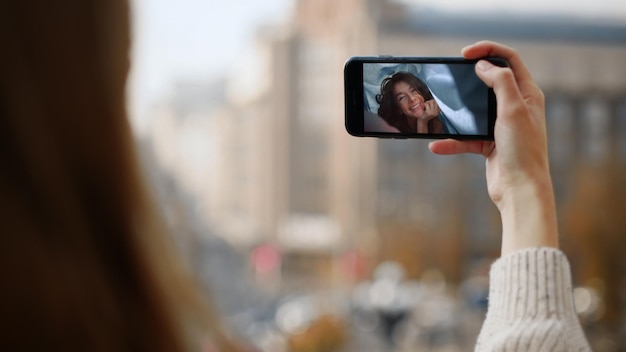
{"x":530,"y":305}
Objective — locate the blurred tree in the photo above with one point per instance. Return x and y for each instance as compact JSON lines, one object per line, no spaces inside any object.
{"x":421,"y":247}
{"x":404,"y":244}
{"x":325,"y":334}
{"x":594,"y":224}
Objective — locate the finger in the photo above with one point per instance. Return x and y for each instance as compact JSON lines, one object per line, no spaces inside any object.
{"x":453,"y":146}
{"x":428,"y":106}
{"x":488,"y":48}
{"x":504,"y":85}
{"x":431,"y":107}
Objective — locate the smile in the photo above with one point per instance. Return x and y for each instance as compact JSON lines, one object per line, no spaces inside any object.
{"x":416,"y":106}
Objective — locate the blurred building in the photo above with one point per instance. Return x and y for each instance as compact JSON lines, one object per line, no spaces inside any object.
{"x":578,"y":65}
{"x":288,"y":173}
{"x":267,"y":157}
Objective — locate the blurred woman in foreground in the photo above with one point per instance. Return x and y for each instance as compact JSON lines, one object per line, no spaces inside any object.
{"x":84,"y":261}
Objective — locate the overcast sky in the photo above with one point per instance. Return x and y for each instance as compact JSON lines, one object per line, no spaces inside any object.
{"x":191,"y":39}
{"x":599,"y":9}
{"x":197,"y":39}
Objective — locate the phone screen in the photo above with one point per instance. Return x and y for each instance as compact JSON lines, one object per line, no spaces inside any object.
{"x":417,"y":98}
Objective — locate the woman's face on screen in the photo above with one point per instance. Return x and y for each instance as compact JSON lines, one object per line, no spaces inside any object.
{"x":409,"y":100}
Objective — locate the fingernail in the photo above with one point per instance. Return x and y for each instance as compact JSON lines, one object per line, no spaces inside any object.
{"x":484,"y":65}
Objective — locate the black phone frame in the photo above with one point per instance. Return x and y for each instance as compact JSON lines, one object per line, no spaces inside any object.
{"x":354,"y":96}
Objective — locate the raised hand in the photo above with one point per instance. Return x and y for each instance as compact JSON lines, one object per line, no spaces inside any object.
{"x":518,"y":175}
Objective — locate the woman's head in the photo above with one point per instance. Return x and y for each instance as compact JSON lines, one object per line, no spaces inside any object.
{"x":401,"y":98}
{"x":84,"y":262}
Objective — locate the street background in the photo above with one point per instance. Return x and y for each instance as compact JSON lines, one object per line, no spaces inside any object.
{"x":312,"y":240}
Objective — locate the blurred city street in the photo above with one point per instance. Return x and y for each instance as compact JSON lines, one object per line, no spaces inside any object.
{"x":310,"y":239}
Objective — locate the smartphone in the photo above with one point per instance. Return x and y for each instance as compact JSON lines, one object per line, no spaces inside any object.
{"x":418,"y":97}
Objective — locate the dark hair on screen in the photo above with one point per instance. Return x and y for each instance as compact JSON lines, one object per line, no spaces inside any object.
{"x":388,"y":107}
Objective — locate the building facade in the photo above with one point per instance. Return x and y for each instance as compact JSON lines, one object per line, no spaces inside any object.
{"x":291,"y":176}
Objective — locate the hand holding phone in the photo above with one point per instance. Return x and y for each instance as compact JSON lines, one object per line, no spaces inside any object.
{"x":518,"y":173}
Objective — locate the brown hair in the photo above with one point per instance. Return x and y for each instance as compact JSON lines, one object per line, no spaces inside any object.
{"x":84,"y":261}
{"x":388,"y":107}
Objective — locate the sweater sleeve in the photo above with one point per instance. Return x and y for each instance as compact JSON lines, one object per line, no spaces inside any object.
{"x":531,"y":306}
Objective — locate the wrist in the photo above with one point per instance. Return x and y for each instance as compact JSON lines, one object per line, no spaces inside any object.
{"x":529,"y":219}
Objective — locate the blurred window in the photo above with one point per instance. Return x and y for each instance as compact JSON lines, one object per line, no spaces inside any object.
{"x":560,"y":118}
{"x":621,"y":126}
{"x":314,"y":60}
{"x":595,"y":128}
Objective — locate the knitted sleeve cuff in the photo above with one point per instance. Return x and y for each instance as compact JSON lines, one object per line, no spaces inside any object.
{"x":530,"y":303}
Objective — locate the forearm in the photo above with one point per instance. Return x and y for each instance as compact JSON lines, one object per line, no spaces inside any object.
{"x":529,"y":217}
